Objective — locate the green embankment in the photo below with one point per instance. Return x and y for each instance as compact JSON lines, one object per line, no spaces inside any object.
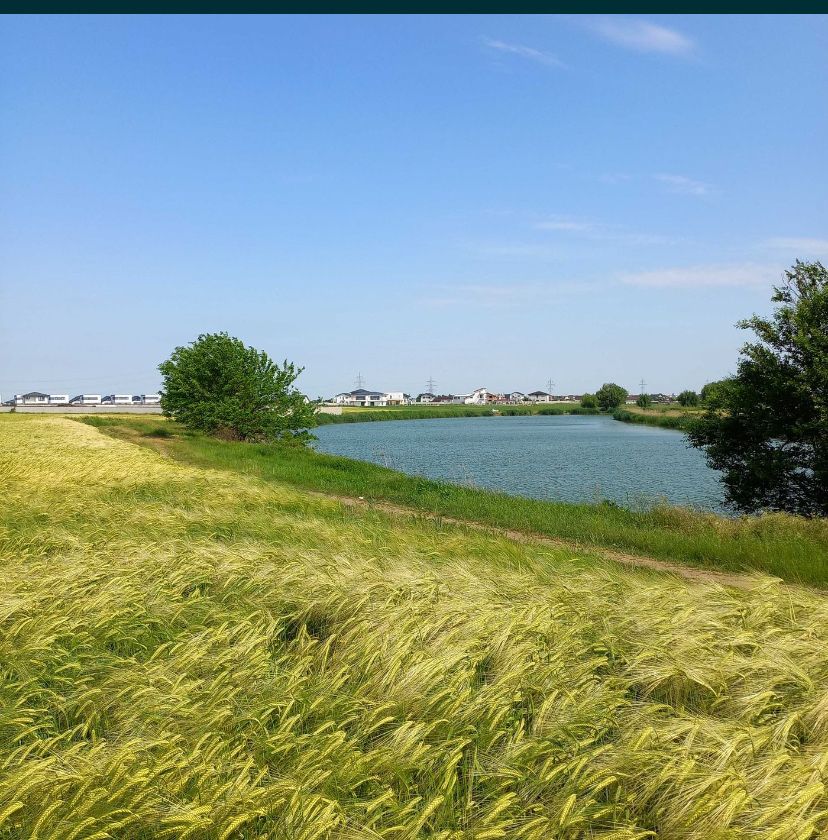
{"x":789,"y":547}
{"x":195,"y":654}
{"x":680,"y":421}
{"x":368,"y":415}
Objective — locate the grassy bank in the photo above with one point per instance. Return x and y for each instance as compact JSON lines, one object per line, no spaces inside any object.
{"x":788,"y":547}
{"x":679,"y":421}
{"x":368,"y":415}
{"x":193,"y":653}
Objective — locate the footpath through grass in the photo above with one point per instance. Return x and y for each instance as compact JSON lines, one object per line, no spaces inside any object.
{"x":195,"y":653}
{"x":788,"y":547}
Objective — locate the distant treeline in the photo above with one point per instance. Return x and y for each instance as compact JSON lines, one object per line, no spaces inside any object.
{"x":449,"y":411}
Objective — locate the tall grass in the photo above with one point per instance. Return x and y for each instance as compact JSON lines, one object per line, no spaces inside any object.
{"x":680,"y":422}
{"x":789,"y":547}
{"x":192,"y":653}
{"x":447,"y":412}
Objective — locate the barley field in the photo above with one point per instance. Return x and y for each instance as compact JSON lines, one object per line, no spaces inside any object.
{"x":188,"y":653}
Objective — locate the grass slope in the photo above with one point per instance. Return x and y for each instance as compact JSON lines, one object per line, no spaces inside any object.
{"x":788,"y":547}
{"x":191,"y":653}
{"x":444,"y":412}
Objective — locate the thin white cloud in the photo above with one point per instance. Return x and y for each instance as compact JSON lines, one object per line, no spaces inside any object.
{"x":602,"y":232}
{"x":705,"y":276}
{"x":641,"y":35}
{"x":564,"y":223}
{"x":523,"y":51}
{"x":803,"y":244}
{"x":501,"y":295}
{"x":682,"y":185}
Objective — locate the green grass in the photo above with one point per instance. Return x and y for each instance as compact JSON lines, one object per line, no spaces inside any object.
{"x":196,"y":653}
{"x":369,"y":415}
{"x":788,"y":547}
{"x":679,"y":421}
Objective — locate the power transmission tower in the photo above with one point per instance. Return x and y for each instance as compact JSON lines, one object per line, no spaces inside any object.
{"x":550,"y":384}
{"x":360,"y":382}
{"x":430,"y":385}
{"x":642,"y":387}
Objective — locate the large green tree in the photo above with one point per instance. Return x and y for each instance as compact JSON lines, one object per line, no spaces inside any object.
{"x":218,"y":385}
{"x":610,"y":396}
{"x":688,"y":399}
{"x":766,"y":428}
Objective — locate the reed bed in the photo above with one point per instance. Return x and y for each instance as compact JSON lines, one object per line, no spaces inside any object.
{"x":188,"y":653}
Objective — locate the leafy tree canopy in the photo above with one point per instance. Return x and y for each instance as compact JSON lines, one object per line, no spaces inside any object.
{"x":688,"y":398}
{"x":766,"y":428}
{"x":644,"y":401}
{"x":218,"y":385}
{"x":710,"y":391}
{"x":610,"y":396}
{"x":589,"y":401}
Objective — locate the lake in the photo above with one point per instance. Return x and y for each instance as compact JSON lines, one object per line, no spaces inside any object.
{"x":563,"y":458}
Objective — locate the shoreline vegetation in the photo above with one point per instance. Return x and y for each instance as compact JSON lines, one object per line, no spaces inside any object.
{"x":372,"y":415}
{"x":788,"y":547}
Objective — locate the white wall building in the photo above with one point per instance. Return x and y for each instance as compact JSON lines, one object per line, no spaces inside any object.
{"x":540,"y":397}
{"x":86,"y":399}
{"x":32,"y":398}
{"x":477,"y":397}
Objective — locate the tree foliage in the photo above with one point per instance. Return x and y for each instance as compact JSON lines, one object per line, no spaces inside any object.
{"x":688,"y":399}
{"x":218,"y":385}
{"x":709,"y":392}
{"x":589,"y":401}
{"x":644,"y":401}
{"x":766,"y":428}
{"x":610,"y":396}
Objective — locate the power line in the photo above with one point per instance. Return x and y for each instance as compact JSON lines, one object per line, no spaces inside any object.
{"x":430,"y":385}
{"x":642,"y":387}
{"x":359,"y":382}
{"x":550,"y":384}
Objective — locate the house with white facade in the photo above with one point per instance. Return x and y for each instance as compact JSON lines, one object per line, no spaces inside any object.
{"x":117,"y":399}
{"x":151,"y":399}
{"x":361,"y":398}
{"x":32,"y":398}
{"x":517,"y":397}
{"x":477,"y":397}
{"x":540,"y":397}
{"x":425,"y":398}
{"x":86,"y":399}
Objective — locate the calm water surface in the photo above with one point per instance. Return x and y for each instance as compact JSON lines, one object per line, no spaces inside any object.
{"x":566,"y":458}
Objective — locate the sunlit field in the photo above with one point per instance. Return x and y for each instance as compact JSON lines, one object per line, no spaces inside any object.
{"x":194,"y":653}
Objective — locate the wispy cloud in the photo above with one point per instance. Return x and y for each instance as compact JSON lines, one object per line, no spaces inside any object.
{"x":802,"y":244}
{"x":641,"y":35}
{"x":530,"y":53}
{"x":682,"y":185}
{"x":703,"y":276}
{"x":501,"y":295}
{"x":564,"y":223}
{"x":602,"y":232}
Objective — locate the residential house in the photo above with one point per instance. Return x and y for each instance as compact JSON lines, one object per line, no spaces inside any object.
{"x":477,"y":397}
{"x":425,"y":398}
{"x":361,"y":398}
{"x":117,"y":399}
{"x":86,"y":399}
{"x":517,"y":397}
{"x":151,"y":399}
{"x":540,"y":397}
{"x":32,"y":398}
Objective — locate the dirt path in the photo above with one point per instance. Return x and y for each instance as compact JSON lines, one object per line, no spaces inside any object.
{"x":691,"y":573}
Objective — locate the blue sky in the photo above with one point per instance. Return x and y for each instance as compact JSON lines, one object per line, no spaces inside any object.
{"x":486,"y":200}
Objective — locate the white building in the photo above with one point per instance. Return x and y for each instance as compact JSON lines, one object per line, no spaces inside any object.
{"x":32,"y":398}
{"x":86,"y":399}
{"x":477,"y":397}
{"x":151,"y":399}
{"x":540,"y":397}
{"x":425,"y":398}
{"x":362,"y":398}
{"x":117,"y":399}
{"x":517,"y":397}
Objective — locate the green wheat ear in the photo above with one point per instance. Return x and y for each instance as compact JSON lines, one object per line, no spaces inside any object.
{"x":192,"y":653}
